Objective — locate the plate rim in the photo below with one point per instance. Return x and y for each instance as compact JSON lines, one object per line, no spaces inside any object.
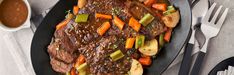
{"x":186,"y":40}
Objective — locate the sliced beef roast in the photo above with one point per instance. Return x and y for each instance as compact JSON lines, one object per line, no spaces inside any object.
{"x":82,"y":38}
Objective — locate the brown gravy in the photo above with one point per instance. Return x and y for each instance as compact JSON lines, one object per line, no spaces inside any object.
{"x":13,"y":13}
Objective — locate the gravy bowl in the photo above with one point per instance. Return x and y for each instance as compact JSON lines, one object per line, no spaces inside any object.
{"x":25,"y":24}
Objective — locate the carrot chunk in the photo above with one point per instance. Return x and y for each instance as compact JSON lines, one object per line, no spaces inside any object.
{"x":129,"y":43}
{"x":146,"y":61}
{"x":105,"y":26}
{"x":167,"y":35}
{"x":118,"y":22}
{"x":75,"y":10}
{"x":149,"y":2}
{"x":104,"y":16}
{"x":160,"y":6}
{"x":80,"y":60}
{"x":134,"y":24}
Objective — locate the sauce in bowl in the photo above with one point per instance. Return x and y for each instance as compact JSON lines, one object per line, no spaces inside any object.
{"x":13,"y":13}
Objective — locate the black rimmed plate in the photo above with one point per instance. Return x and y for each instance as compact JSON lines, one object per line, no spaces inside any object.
{"x":44,"y":33}
{"x":222,"y":66}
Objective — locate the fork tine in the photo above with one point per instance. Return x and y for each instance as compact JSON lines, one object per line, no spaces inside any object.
{"x":216,"y":15}
{"x":208,"y":13}
{"x":222,"y":18}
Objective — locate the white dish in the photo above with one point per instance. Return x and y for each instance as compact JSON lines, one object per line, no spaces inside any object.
{"x":26,"y":24}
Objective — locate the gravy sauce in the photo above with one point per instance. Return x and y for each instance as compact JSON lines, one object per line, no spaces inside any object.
{"x":13,"y":13}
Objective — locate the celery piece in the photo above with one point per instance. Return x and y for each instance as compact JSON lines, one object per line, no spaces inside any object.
{"x":140,"y":39}
{"x":68,"y":73}
{"x":170,"y":9}
{"x":82,"y":18}
{"x":161,"y":40}
{"x":166,"y":13}
{"x":116,"y":55}
{"x":82,"y":67}
{"x":148,"y":18}
{"x":82,"y":72}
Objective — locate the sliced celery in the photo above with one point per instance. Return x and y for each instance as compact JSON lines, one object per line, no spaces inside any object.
{"x":82,"y":67}
{"x":82,"y":72}
{"x":161,"y":40}
{"x":116,"y":55}
{"x":170,"y":9}
{"x":82,"y":18}
{"x":140,"y":39}
{"x":68,"y":73}
{"x":148,"y":18}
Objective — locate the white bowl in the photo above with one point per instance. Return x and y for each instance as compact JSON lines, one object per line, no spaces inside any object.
{"x":26,"y":24}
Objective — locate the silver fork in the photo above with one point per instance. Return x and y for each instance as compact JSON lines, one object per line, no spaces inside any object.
{"x":210,"y":29}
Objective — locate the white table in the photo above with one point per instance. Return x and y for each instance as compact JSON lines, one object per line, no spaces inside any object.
{"x":10,"y":43}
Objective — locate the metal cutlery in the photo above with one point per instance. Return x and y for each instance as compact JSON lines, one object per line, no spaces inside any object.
{"x":210,"y":29}
{"x":198,"y":12}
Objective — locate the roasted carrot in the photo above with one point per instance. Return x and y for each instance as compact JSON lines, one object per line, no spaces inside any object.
{"x":104,"y":16}
{"x":167,"y":35}
{"x":160,"y":6}
{"x":62,"y":24}
{"x":134,"y":24}
{"x":146,"y":61}
{"x":118,"y":22}
{"x":105,"y":26}
{"x":75,"y":10}
{"x":81,"y":3}
{"x":73,"y":71}
{"x":149,"y":2}
{"x":69,"y":16}
{"x":80,"y":60}
{"x":129,"y":43}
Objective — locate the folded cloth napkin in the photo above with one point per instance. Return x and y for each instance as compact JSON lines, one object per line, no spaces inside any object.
{"x":12,"y":48}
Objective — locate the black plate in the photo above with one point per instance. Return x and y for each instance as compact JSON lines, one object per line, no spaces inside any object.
{"x":42,"y":37}
{"x":222,"y":66}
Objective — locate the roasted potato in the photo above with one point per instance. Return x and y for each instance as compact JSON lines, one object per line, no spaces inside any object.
{"x":136,"y":68}
{"x":172,"y":19}
{"x":150,"y":48}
